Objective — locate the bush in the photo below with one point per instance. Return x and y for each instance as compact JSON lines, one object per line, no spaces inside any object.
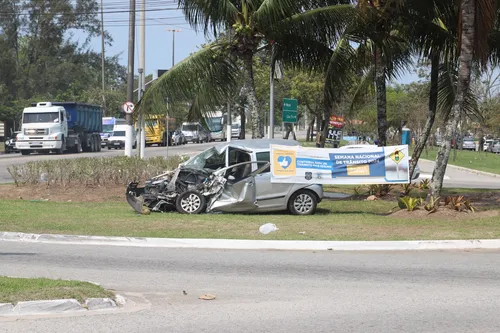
{"x":459,"y":203}
{"x":409,"y":203}
{"x":91,"y":171}
{"x":380,"y":190}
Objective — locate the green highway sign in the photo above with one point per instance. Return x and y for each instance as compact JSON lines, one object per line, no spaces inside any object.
{"x":289,"y":116}
{"x":290,"y":104}
{"x":290,"y":107}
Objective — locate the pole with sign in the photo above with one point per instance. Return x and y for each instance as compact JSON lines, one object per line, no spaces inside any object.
{"x":128,"y":108}
{"x":289,"y":112}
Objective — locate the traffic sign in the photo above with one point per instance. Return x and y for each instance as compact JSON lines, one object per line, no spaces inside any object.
{"x":289,"y":116}
{"x":397,"y":156}
{"x":290,"y":107}
{"x":290,"y":104}
{"x":128,"y":107}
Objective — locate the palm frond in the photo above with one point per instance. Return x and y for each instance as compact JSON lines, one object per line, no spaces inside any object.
{"x":340,"y":72}
{"x":447,"y":85}
{"x":325,"y":24}
{"x":209,"y":14}
{"x":365,"y":87}
{"x":207,"y":75}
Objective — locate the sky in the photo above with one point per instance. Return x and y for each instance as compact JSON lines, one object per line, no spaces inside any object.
{"x":160,"y":15}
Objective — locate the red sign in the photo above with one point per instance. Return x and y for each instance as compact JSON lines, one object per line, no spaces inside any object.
{"x":337,"y":121}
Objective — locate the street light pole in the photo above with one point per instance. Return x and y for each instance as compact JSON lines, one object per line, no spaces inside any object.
{"x":103,"y":78}
{"x":173,"y":43}
{"x":141,"y":142}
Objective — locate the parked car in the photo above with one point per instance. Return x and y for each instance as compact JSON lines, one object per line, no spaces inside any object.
{"x":178,"y":138}
{"x":117,"y":138}
{"x":496,"y":147}
{"x":416,"y":172}
{"x":228,"y":177}
{"x":469,"y":144}
{"x":10,"y":144}
{"x":488,"y":144}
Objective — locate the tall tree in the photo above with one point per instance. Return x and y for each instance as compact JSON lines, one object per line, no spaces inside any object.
{"x":478,"y":18}
{"x":253,"y":25}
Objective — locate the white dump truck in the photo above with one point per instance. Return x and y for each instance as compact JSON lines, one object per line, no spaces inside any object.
{"x":60,"y":127}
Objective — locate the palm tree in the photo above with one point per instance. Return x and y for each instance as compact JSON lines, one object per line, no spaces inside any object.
{"x":478,"y":18}
{"x":210,"y":73}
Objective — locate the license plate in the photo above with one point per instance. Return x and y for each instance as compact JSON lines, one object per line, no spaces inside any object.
{"x":36,"y":143}
{"x":116,"y":143}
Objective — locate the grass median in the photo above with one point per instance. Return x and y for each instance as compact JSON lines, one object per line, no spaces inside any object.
{"x":335,"y":220}
{"x":13,"y":290}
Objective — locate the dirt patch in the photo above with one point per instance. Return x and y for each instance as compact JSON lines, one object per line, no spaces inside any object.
{"x":61,"y":194}
{"x":444,"y":214}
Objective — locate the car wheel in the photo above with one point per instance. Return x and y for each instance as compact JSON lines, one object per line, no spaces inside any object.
{"x":302,"y":202}
{"x":190,"y":202}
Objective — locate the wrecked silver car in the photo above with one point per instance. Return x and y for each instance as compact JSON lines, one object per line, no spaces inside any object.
{"x":229,"y":177}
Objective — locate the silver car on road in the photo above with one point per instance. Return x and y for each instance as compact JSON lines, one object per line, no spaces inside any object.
{"x":229,"y":177}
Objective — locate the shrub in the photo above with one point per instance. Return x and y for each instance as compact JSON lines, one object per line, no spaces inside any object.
{"x":459,"y":203}
{"x":357,"y":190}
{"x":424,"y":184}
{"x":433,"y":204}
{"x":380,"y":190}
{"x":407,"y":188}
{"x":409,"y":203}
{"x":91,"y":171}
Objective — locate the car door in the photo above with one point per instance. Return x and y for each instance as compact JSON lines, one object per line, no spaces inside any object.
{"x":269,"y":195}
{"x":237,"y":195}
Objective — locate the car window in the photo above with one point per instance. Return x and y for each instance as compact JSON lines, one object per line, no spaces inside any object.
{"x":262,"y":158}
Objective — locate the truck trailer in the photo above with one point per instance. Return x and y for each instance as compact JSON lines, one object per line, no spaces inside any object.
{"x":60,"y":127}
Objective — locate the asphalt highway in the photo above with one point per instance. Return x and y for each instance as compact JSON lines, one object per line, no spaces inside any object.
{"x":269,"y":291}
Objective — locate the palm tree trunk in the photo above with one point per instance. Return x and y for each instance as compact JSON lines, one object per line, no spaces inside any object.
{"x":464,"y":72}
{"x":381,"y":97}
{"x":251,"y":94}
{"x":431,"y":114}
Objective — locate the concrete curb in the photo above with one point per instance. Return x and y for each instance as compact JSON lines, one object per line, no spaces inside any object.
{"x":241,"y":244}
{"x":477,"y":172}
{"x":57,"y":306}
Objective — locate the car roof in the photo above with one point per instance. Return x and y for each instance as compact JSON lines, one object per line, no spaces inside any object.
{"x":256,"y":144}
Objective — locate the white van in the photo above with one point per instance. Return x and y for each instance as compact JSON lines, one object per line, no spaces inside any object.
{"x":117,"y":138}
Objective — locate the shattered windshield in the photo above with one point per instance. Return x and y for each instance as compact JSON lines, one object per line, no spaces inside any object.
{"x":209,"y":159}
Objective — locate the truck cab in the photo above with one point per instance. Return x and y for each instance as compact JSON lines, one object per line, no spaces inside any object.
{"x":44,"y":127}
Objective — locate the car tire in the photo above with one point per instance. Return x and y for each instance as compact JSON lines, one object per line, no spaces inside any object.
{"x":190,"y":202}
{"x":303,"y":202}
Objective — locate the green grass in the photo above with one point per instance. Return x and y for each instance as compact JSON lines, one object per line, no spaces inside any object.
{"x":481,"y":161}
{"x":13,"y":290}
{"x":335,"y":220}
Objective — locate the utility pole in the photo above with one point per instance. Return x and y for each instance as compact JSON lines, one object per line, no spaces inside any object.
{"x":130,"y":78}
{"x":103,"y":60}
{"x":141,"y":145}
{"x":229,"y":125}
{"x":173,"y":43}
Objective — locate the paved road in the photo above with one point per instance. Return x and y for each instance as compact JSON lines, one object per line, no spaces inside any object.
{"x":270,"y":291}
{"x":459,"y":178}
{"x":7,"y":160}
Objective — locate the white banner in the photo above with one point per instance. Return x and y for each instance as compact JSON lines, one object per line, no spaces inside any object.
{"x":356,"y":165}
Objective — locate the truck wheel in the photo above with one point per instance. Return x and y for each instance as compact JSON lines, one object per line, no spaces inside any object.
{"x":63,"y":146}
{"x":78,"y":146}
{"x":25,"y":152}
